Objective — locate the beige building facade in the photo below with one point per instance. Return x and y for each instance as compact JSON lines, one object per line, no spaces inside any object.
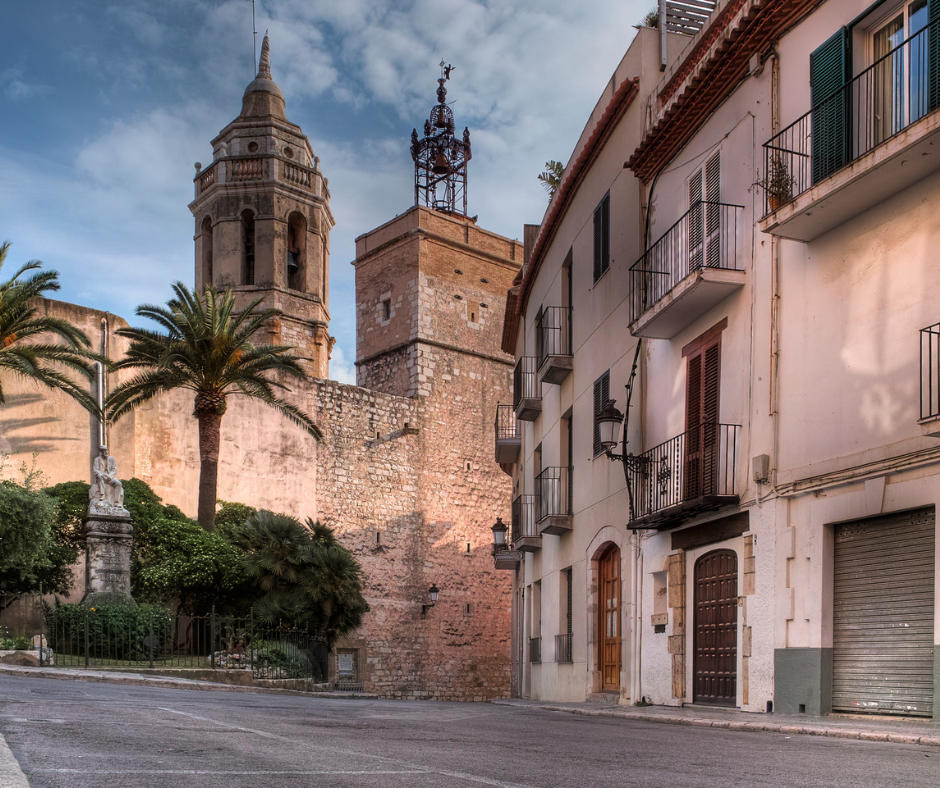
{"x":404,"y":474}
{"x":738,"y":255}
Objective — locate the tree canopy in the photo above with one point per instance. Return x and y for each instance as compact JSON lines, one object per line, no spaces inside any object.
{"x":206,"y":347}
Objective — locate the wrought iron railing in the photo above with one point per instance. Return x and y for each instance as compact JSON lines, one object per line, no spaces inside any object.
{"x":553,"y":493}
{"x":507,"y":425}
{"x":704,"y":237}
{"x":553,"y":333}
{"x":563,"y":648}
{"x":535,"y":650}
{"x":883,"y":100}
{"x":930,"y":372}
{"x":525,"y":380}
{"x":523,"y":518}
{"x":89,"y":638}
{"x":699,"y":463}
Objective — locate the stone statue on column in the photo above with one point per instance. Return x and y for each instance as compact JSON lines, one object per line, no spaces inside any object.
{"x":108,"y":539}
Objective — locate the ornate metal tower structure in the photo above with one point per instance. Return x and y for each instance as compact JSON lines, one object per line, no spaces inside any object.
{"x":440,"y":158}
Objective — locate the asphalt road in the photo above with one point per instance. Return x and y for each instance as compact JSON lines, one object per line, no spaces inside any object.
{"x":88,"y":735}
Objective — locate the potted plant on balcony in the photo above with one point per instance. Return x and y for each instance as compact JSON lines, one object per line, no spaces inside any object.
{"x":778,"y":183}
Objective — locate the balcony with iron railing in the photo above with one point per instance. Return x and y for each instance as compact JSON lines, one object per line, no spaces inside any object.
{"x":526,"y":389}
{"x":553,"y":344}
{"x":508,"y":435}
{"x":691,"y":268}
{"x":876,"y":135}
{"x":563,"y":648}
{"x":524,"y":530}
{"x":553,"y":500}
{"x":504,"y":557}
{"x":535,"y":650}
{"x":265,"y":167}
{"x":930,"y":380}
{"x":685,"y":476}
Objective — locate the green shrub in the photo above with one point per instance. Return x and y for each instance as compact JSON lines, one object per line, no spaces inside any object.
{"x":111,"y":631}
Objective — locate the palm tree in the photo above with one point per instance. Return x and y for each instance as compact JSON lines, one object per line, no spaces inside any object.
{"x":35,"y":360}
{"x":550,"y":178}
{"x":207,"y":349}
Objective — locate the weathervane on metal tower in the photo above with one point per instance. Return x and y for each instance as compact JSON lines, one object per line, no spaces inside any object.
{"x":440,"y":158}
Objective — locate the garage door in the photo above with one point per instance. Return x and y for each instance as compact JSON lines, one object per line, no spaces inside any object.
{"x":883,"y":612}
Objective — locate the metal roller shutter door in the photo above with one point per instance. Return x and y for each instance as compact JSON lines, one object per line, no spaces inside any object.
{"x":883,"y":614}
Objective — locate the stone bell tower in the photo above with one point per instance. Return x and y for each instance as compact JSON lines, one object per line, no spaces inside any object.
{"x":263,"y":220}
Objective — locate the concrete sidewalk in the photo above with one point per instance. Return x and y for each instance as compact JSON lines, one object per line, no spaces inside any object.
{"x":865,"y":727}
{"x":151,"y":680}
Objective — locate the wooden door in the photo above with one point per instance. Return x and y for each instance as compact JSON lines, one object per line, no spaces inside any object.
{"x":609,"y":641}
{"x":715,"y":649}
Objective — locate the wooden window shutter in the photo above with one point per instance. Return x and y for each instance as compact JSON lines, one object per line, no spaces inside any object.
{"x":829,"y":71}
{"x":713,"y":211}
{"x":601,"y":395}
{"x":933,"y":55}
{"x":696,"y":222}
{"x":602,"y":237}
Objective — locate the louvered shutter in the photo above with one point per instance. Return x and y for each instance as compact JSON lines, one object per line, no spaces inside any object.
{"x":570,"y":436}
{"x":696,"y":222}
{"x":713,"y":211}
{"x":598,"y":241}
{"x":829,"y":71}
{"x":933,"y":54}
{"x":602,"y":237}
{"x":601,"y":395}
{"x":700,"y":453}
{"x":711,"y":366}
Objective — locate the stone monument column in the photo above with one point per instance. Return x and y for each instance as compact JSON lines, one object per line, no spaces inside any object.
{"x":108,"y":536}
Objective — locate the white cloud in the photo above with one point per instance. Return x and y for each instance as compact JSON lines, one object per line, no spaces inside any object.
{"x":16,"y":88}
{"x":341,"y":369}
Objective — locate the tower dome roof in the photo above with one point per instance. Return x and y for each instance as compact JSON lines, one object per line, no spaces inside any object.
{"x":262,"y":96}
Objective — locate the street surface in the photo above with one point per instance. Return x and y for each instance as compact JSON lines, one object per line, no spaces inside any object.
{"x":73,"y":734}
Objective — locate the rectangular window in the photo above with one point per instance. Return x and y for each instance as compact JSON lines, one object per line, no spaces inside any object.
{"x":701,"y":449}
{"x":602,"y":237}
{"x":387,"y":309}
{"x":705,"y":219}
{"x":568,"y":606}
{"x":601,"y":395}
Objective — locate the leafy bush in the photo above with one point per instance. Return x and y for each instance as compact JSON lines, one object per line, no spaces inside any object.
{"x":283,"y":659}
{"x":14,"y":642}
{"x":26,"y":540}
{"x":114,"y":631}
{"x":307,"y":579}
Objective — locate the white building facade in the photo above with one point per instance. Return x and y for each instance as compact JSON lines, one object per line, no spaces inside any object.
{"x":738,"y":255}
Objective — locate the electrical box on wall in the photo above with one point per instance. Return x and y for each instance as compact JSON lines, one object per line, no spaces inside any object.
{"x":761,"y":465}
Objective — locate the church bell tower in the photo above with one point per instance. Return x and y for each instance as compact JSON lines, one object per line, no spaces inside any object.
{"x":263,"y":220}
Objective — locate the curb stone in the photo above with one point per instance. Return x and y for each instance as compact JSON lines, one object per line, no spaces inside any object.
{"x":737,"y":725}
{"x":157,"y":681}
{"x":11,"y":775}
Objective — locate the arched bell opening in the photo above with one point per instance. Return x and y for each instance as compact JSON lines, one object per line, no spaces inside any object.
{"x":296,"y":251}
{"x":248,"y":247}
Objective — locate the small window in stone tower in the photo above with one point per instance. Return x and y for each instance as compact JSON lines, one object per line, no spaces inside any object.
{"x":248,"y":247}
{"x":207,"y":251}
{"x":387,"y":309}
{"x":296,"y":251}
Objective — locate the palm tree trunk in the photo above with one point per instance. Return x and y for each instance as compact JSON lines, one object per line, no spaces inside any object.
{"x":210,"y":438}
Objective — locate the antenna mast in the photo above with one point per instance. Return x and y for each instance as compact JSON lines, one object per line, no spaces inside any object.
{"x":254,"y":39}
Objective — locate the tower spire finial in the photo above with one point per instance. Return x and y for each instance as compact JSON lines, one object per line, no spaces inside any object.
{"x":264,"y":66}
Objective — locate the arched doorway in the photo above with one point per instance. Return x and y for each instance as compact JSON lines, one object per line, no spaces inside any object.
{"x":609,"y":627}
{"x":715,"y":649}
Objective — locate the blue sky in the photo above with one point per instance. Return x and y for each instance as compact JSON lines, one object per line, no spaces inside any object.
{"x":107,"y":105}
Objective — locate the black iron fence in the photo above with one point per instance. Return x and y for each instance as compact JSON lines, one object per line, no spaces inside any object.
{"x":895,"y":91}
{"x":704,"y":237}
{"x":523,"y":518}
{"x":930,"y":371}
{"x":697,"y":464}
{"x":525,"y":380}
{"x":535,"y":650}
{"x":563,"y":648}
{"x":553,"y":493}
{"x":507,"y":425}
{"x":553,"y":333}
{"x":86,"y":638}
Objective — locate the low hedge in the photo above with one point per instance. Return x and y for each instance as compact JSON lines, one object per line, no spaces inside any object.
{"x":111,"y":631}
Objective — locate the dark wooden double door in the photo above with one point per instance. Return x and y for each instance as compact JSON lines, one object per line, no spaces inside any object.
{"x":715,"y":638}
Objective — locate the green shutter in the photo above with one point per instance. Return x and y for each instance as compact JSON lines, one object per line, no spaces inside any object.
{"x":933,"y":54}
{"x":829,"y":71}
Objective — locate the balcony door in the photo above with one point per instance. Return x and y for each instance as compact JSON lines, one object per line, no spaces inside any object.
{"x":705,"y":215}
{"x":899,"y":77}
{"x":609,"y":640}
{"x":700,"y":454}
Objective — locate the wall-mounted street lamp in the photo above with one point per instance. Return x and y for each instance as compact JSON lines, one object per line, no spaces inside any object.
{"x":609,"y":422}
{"x":433,"y":591}
{"x":499,"y":535}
